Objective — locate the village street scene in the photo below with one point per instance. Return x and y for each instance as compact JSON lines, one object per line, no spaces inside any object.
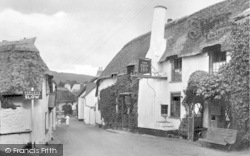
{"x":128,"y":77}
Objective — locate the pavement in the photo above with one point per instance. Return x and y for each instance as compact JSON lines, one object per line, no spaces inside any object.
{"x":118,"y":131}
{"x":80,"y":139}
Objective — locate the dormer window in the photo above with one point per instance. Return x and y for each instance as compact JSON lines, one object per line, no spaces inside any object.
{"x":114,"y":76}
{"x":131,"y":70}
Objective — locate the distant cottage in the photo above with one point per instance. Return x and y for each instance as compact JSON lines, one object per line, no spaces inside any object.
{"x":87,"y":104}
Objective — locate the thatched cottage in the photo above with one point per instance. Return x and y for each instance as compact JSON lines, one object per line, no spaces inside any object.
{"x":21,"y":68}
{"x":200,"y":41}
{"x":177,"y":49}
{"x":124,"y":63}
{"x":87,"y":104}
{"x":65,"y":97}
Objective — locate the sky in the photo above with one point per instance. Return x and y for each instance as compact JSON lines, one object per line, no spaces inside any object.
{"x":79,"y":36}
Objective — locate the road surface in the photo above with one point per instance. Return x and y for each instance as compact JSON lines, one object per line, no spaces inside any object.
{"x":86,"y":140}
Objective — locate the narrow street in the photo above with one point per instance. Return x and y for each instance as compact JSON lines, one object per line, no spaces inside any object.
{"x":79,"y":139}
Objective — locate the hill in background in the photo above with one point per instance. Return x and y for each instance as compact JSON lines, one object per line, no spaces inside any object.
{"x":63,"y":77}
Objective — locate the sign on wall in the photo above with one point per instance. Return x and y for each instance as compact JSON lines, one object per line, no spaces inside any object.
{"x":144,"y":66}
{"x":211,"y":28}
{"x":32,"y":94}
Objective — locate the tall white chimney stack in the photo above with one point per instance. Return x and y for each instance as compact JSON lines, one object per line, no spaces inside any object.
{"x":157,"y":41}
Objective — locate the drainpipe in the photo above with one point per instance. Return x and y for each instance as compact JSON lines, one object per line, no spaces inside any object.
{"x":32,"y":121}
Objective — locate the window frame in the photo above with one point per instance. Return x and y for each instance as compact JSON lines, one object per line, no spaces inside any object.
{"x":215,"y":53}
{"x":176,"y":62}
{"x":166,"y":109}
{"x":175,"y":94}
{"x":131,"y":69}
{"x":46,"y":122}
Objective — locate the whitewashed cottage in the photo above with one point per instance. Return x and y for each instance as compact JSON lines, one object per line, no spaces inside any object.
{"x":21,"y":68}
{"x":200,"y":41}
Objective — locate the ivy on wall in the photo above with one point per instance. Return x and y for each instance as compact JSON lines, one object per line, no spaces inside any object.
{"x":230,"y":86}
{"x":109,"y":98}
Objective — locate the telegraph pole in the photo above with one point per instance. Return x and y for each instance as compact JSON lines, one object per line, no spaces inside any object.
{"x":32,"y":95}
{"x":32,"y":120}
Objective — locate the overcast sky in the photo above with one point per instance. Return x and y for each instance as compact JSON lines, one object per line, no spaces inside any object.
{"x":78,"y":36}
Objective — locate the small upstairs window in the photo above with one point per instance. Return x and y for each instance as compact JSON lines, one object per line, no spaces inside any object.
{"x":177,"y":69}
{"x":216,"y":58}
{"x":114,"y":76}
{"x":131,"y":70}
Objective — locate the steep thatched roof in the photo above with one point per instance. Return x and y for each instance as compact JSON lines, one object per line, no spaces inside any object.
{"x":21,"y":66}
{"x":177,"y":36}
{"x":89,"y":88}
{"x":63,"y":95}
{"x":83,"y":89}
{"x":177,"y":33}
{"x":129,"y":54}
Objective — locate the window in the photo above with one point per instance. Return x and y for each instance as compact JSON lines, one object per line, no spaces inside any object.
{"x":216,"y":59}
{"x":164,"y":109}
{"x":175,"y":104}
{"x":114,"y":76}
{"x":176,"y":69}
{"x":130,"y":70}
{"x":213,"y":117}
{"x":46,"y":122}
{"x":49,"y":85}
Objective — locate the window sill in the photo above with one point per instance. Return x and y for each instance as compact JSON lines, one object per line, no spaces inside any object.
{"x":175,"y":81}
{"x":172,"y":117}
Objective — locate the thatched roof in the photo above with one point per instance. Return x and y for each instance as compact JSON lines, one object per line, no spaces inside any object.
{"x":63,"y":95}
{"x":21,"y":66}
{"x":177,"y":35}
{"x":83,"y":89}
{"x":89,"y":88}
{"x":128,"y":55}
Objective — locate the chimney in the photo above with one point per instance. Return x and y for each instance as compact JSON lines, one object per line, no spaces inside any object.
{"x":99,"y":71}
{"x":157,"y":41}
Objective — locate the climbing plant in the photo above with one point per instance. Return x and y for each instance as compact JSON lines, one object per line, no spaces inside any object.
{"x":231,"y":84}
{"x":191,"y":97}
{"x":109,"y":98}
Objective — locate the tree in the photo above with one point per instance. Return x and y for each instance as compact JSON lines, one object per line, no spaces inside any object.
{"x":67,"y":108}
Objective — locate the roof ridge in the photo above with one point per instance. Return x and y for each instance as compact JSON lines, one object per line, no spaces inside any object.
{"x":21,"y":41}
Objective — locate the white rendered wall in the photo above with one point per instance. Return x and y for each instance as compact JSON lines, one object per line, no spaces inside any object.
{"x":19,"y":119}
{"x":153,"y":93}
{"x":80,"y":108}
{"x":89,"y":113}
